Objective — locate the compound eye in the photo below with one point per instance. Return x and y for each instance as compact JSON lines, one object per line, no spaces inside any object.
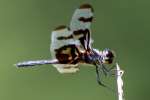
{"x":109,"y":61}
{"x":109,"y":54}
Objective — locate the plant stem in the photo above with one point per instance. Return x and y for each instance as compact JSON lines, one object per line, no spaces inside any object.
{"x":119,"y":74}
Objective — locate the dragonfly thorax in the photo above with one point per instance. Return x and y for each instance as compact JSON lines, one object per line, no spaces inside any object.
{"x":91,"y":56}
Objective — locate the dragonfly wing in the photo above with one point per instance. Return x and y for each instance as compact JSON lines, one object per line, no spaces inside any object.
{"x":80,"y":25}
{"x":63,"y":48}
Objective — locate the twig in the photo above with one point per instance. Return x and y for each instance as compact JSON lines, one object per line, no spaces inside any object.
{"x":119,"y":74}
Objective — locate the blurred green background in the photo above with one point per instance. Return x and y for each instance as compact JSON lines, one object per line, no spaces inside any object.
{"x":25,"y":29}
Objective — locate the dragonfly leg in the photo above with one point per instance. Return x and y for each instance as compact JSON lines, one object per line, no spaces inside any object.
{"x":98,"y":77}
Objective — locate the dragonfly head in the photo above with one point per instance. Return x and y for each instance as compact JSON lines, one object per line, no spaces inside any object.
{"x":107,"y":56}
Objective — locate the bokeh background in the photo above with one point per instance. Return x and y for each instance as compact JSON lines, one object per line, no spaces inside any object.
{"x":25,"y":29}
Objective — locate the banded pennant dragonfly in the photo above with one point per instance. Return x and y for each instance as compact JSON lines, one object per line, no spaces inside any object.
{"x":71,"y":46}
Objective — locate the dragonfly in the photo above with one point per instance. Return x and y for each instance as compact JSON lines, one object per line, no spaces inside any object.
{"x":72,"y":46}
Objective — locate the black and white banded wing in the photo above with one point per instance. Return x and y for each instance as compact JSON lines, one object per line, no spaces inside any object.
{"x":80,"y":25}
{"x":63,"y":49}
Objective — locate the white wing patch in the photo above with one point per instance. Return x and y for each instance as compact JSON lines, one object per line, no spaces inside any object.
{"x":66,"y":68}
{"x":78,"y":16}
{"x":81,"y":21}
{"x":62,"y":31}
